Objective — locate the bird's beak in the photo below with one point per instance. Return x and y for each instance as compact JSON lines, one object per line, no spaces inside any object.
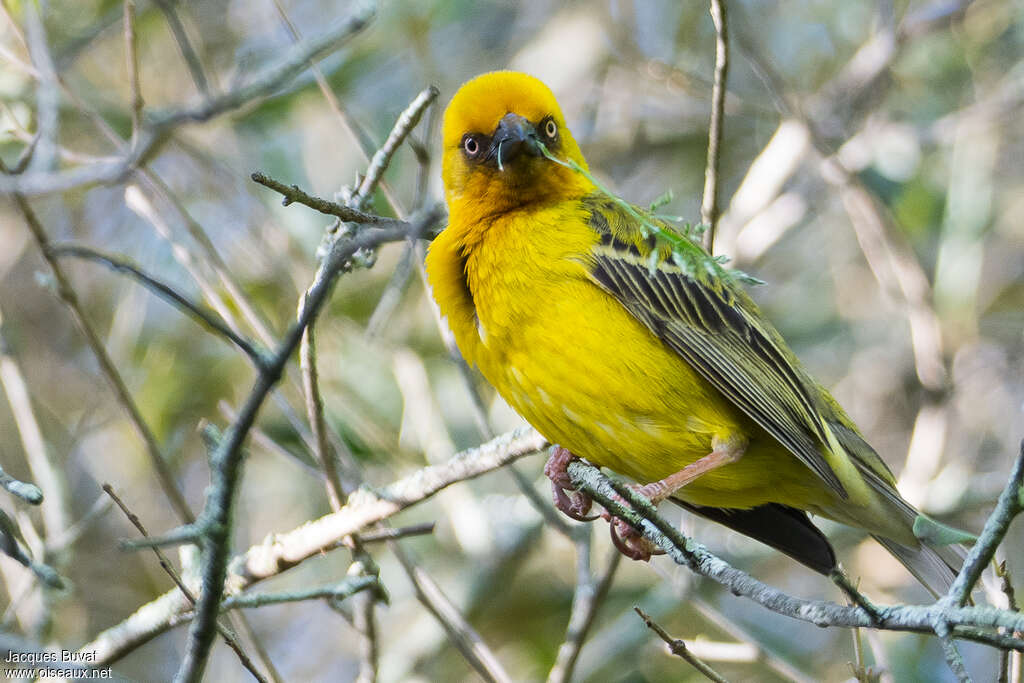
{"x":513,"y":136}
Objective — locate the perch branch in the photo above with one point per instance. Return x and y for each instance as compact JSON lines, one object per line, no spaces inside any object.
{"x":969,"y":623}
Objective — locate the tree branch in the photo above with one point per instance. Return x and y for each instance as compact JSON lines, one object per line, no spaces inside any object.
{"x":1009,"y":505}
{"x":678,"y":647}
{"x":67,"y":294}
{"x":709,"y":202}
{"x":160,"y":125}
{"x":168,"y":568}
{"x":226,"y":460}
{"x":971,"y":623}
{"x":205,"y":317}
{"x":292,"y":193}
{"x":280,"y":552}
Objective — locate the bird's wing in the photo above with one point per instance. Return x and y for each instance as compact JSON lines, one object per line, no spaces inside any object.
{"x":719,"y":331}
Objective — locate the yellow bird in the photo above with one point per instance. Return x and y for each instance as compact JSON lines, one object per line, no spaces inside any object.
{"x":665,"y":373}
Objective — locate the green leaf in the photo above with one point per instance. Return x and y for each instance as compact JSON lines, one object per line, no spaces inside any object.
{"x":662,"y":200}
{"x":936,"y":533}
{"x":687,"y":254}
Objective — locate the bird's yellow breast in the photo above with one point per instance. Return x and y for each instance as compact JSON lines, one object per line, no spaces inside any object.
{"x":587,"y":374}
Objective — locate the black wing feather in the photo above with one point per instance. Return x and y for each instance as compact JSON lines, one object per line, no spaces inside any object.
{"x":786,"y":529}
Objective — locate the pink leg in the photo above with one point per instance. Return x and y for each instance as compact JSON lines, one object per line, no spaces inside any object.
{"x":627,"y":539}
{"x":724,"y":454}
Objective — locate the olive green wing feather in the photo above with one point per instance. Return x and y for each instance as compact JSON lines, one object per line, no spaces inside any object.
{"x":718,"y":331}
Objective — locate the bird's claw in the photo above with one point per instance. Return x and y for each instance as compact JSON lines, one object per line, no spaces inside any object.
{"x":573,"y":504}
{"x":576,"y":505}
{"x":628,"y":541}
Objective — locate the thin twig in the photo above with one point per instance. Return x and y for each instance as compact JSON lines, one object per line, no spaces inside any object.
{"x":292,"y":193}
{"x":364,"y":620}
{"x":205,"y":317}
{"x":951,"y":652}
{"x":852,"y":593}
{"x":280,"y":552}
{"x":463,"y":636}
{"x":587,"y":599}
{"x":187,"y":534}
{"x":166,"y":565}
{"x":709,"y":202}
{"x":188,"y":53}
{"x":1007,"y":507}
{"x":393,"y":534}
{"x":132,"y":61}
{"x":339,"y":591}
{"x":315,"y":412}
{"x":678,"y":648}
{"x":68,"y":295}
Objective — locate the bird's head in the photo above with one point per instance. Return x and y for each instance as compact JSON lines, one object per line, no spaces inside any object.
{"x":494,"y":130}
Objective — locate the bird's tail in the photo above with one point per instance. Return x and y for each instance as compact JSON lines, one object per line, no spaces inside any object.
{"x":934,"y":566}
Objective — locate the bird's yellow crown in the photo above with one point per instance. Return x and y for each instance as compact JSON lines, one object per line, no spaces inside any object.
{"x":493,"y":131}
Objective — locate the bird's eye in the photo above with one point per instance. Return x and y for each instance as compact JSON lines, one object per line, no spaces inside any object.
{"x":550,"y":129}
{"x":471,"y":145}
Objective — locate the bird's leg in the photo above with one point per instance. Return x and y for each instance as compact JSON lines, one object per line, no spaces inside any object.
{"x":574,"y":504}
{"x":627,"y":539}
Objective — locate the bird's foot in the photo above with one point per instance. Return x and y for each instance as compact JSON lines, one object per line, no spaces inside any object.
{"x":626,"y":538}
{"x":574,"y":504}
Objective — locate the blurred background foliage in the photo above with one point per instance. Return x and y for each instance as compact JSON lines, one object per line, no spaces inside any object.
{"x":918,"y":102}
